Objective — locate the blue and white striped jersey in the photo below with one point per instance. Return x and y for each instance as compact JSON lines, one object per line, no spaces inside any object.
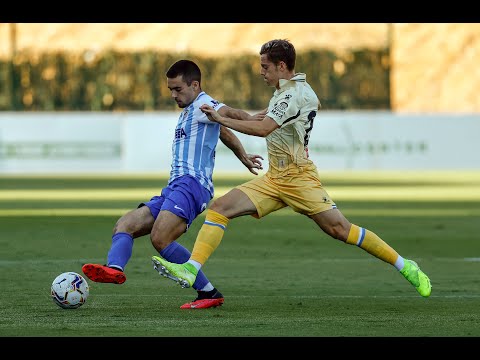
{"x":196,"y":137}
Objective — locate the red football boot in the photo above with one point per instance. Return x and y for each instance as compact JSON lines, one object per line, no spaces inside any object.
{"x":205,"y":300}
{"x":103,"y":274}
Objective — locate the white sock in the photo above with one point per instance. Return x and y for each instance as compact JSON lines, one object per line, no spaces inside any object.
{"x":208,"y":287}
{"x":116,"y":267}
{"x":399,"y":263}
{"x":197,"y":265}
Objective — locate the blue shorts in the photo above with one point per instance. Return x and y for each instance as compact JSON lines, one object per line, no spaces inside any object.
{"x":184,"y":196}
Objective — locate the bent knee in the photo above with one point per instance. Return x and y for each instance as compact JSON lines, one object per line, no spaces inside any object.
{"x":159,"y":241}
{"x":121,"y":226}
{"x":162,"y":237}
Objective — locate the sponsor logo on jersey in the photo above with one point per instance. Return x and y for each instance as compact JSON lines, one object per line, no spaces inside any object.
{"x":180,"y":133}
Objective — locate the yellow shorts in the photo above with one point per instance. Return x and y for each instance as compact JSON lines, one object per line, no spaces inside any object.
{"x":303,"y":192}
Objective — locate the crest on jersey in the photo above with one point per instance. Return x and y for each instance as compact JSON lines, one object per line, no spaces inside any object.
{"x":279,"y":109}
{"x":214,"y":103}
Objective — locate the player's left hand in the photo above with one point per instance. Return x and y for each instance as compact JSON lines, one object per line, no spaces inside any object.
{"x":211,"y":113}
{"x":253,"y":162}
{"x":260,"y":115}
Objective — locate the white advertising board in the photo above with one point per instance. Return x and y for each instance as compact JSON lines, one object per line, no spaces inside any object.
{"x":141,"y":142}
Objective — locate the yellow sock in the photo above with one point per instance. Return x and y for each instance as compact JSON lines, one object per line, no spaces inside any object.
{"x":209,"y":236}
{"x":372,"y":244}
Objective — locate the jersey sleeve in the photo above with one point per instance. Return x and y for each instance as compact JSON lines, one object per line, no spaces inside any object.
{"x":200,"y":115}
{"x":285,"y":110}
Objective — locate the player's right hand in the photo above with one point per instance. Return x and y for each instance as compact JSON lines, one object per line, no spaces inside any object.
{"x":252,"y":162}
{"x":211,"y":113}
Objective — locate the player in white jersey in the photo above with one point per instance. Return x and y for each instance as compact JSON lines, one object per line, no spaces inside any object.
{"x":193,"y":149}
{"x":190,"y":187}
{"x":291,"y":180}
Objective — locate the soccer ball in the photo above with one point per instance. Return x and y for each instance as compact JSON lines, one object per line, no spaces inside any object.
{"x":70,"y":290}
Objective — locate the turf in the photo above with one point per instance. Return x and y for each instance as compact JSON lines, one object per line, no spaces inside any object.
{"x":281,"y":276}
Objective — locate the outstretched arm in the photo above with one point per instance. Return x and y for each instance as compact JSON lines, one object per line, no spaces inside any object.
{"x":250,"y":127}
{"x":229,"y":112}
{"x":231,"y":141}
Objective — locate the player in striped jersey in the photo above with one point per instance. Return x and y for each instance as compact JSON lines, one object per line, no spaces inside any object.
{"x":291,"y":180}
{"x":190,"y":187}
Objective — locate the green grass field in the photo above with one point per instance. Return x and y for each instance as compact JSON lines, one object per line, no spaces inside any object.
{"x":281,"y":276}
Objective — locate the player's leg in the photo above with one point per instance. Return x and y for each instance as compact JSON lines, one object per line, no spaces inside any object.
{"x":183,"y":200}
{"x":305,"y":194}
{"x":337,"y":226}
{"x":167,"y":228}
{"x":333,"y":223}
{"x":132,"y":225}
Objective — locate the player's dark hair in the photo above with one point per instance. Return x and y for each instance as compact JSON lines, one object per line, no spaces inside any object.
{"x":280,"y":50}
{"x":188,"y":69}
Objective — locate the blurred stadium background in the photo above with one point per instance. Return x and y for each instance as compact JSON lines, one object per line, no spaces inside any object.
{"x":426,"y":64}
{"x":396,"y":146}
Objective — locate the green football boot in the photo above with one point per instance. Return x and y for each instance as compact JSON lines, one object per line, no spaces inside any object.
{"x":417,"y":278}
{"x":183,"y":274}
